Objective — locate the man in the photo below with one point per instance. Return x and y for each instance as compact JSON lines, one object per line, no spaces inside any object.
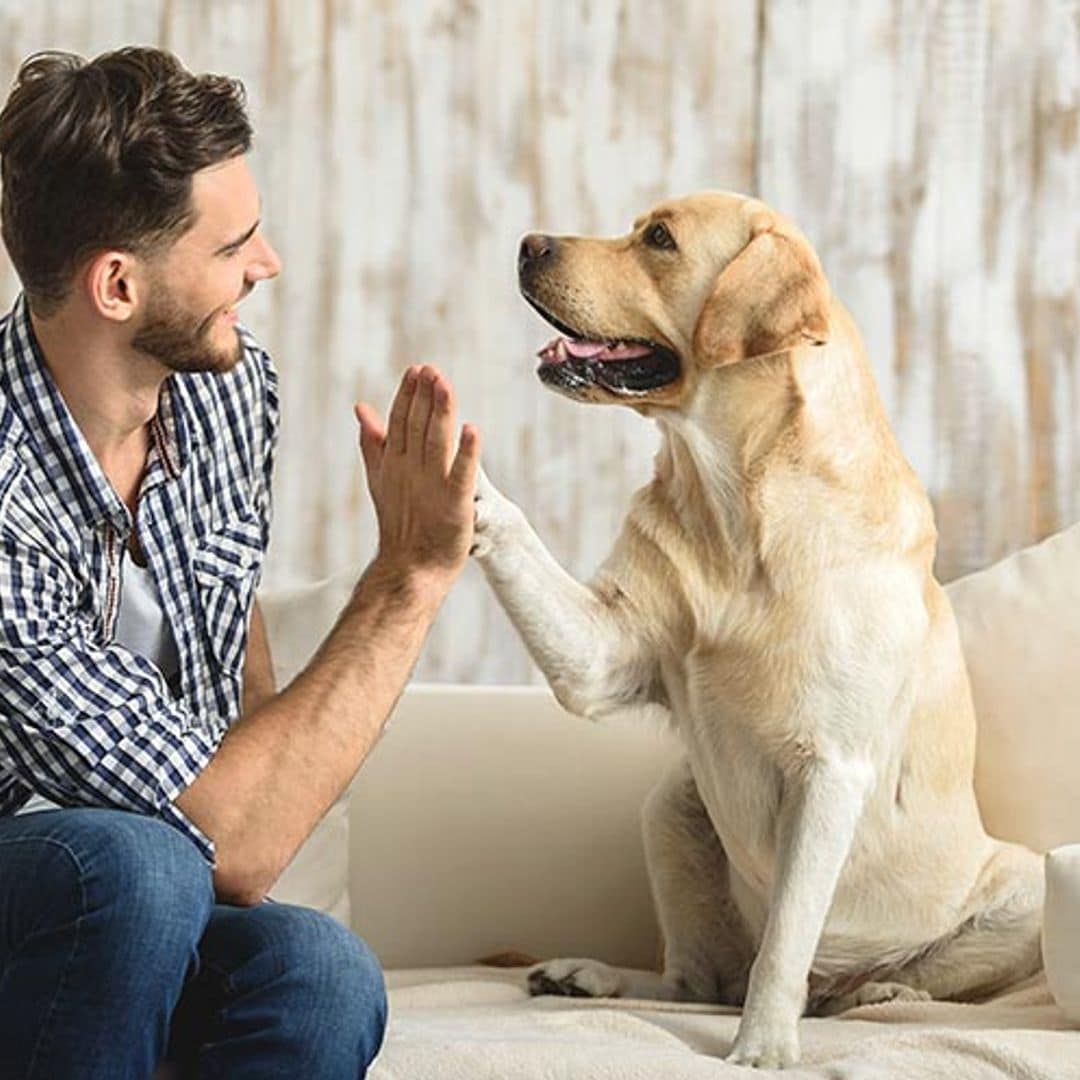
{"x":167,"y":783}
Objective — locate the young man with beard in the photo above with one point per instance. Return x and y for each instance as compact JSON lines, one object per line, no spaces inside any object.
{"x":153,"y":783}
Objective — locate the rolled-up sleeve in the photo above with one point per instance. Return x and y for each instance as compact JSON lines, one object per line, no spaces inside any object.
{"x":82,"y":723}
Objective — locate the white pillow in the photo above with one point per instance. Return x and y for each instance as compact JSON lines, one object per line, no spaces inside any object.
{"x":1061,"y":928}
{"x":297,"y":621}
{"x":1020,"y":625}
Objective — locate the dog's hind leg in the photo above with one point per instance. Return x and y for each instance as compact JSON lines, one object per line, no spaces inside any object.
{"x":707,"y":951}
{"x":707,"y":947}
{"x":998,"y":943}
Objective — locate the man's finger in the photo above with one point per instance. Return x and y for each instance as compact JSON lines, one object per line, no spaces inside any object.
{"x":372,"y":434}
{"x":399,"y":412}
{"x":420,"y":411}
{"x":438,"y":443}
{"x":466,"y":461}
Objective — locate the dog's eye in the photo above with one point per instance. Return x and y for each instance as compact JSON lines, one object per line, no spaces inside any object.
{"x":658,"y":236}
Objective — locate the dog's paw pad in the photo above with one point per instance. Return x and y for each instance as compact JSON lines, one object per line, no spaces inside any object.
{"x":574,"y":978}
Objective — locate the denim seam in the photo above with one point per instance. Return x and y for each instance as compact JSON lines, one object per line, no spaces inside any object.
{"x":41,"y":1040}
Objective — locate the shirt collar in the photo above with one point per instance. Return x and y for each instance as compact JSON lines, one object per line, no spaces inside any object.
{"x":59,"y":442}
{"x":173,"y":437}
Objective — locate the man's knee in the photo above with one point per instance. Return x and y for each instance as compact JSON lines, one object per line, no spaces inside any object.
{"x":336,"y":983}
{"x":131,"y":876}
{"x":346,"y":979}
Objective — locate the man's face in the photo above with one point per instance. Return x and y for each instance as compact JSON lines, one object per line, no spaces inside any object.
{"x":192,"y":289}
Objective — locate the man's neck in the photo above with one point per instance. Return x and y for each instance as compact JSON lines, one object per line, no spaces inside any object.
{"x":111,"y":391}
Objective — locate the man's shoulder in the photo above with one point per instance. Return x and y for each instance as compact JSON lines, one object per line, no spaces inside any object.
{"x":25,"y":507}
{"x":12,"y":433}
{"x":26,"y":511}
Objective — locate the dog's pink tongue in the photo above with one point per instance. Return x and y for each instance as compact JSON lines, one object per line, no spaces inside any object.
{"x":562,"y":348}
{"x":585,"y":350}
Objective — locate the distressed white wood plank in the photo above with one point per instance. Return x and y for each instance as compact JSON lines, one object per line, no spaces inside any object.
{"x":928,"y":149}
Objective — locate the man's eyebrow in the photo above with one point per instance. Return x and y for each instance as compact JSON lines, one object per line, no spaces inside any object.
{"x":239,"y":242}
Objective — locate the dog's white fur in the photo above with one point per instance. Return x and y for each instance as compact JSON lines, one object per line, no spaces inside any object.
{"x":772,"y":586}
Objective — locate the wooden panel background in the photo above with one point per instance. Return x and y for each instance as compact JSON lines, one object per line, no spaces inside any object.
{"x":928,"y":149}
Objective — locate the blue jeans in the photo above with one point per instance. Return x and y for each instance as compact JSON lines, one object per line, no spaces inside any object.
{"x":113,"y":956}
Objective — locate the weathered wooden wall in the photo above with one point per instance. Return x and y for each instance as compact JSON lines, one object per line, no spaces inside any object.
{"x":928,"y":149}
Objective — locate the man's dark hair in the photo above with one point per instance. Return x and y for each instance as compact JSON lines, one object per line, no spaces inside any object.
{"x":100,"y":154}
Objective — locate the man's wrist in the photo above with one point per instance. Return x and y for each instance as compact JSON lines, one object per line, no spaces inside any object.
{"x":404,"y":581}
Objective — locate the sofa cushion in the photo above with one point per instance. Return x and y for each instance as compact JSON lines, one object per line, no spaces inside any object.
{"x":475,"y":1024}
{"x":1020,"y":625}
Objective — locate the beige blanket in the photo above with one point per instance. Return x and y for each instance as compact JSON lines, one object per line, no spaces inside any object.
{"x":479,"y":1024}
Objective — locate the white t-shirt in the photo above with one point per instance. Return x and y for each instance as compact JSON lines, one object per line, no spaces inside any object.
{"x":141,"y":626}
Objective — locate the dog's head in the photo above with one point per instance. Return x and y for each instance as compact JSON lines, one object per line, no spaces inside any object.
{"x":699,"y":282}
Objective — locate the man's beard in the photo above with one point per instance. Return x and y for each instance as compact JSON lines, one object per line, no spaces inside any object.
{"x":179,"y":340}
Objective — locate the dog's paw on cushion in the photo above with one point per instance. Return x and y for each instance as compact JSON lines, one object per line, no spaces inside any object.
{"x":574,"y":978}
{"x":1061,"y":928}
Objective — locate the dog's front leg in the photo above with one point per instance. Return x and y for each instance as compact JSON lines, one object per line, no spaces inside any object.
{"x":579,"y":641}
{"x":819,"y":812}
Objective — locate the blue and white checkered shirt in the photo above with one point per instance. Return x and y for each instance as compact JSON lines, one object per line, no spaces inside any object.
{"x":84,"y":721}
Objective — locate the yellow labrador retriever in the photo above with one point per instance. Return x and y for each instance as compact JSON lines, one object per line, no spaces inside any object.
{"x":820,"y":845}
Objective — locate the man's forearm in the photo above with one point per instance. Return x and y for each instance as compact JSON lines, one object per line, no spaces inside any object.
{"x":281,"y":767}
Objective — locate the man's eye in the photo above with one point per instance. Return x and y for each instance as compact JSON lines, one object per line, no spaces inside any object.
{"x":658,"y":236}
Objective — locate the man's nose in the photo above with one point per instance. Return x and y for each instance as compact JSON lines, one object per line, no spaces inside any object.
{"x":536,"y":249}
{"x":267,"y":262}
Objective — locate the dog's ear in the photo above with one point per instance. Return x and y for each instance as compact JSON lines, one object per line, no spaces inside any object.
{"x":771,"y":296}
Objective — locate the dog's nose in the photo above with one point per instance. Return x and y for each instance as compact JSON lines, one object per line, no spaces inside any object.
{"x":534,"y":249}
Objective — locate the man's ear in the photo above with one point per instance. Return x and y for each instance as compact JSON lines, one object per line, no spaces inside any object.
{"x":112,"y":285}
{"x":771,"y":296}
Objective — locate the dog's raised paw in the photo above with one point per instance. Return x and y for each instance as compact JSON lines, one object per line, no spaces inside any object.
{"x":574,"y":978}
{"x":495,"y":518}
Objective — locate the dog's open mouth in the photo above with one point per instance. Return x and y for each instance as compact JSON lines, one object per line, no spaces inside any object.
{"x":577,"y":361}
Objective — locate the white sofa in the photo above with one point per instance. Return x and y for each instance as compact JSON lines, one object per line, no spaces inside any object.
{"x":487,"y":819}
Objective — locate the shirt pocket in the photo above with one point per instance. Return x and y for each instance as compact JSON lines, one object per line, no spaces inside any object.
{"x":226,"y":566}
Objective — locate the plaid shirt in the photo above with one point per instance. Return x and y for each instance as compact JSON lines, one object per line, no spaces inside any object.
{"x":83,"y":720}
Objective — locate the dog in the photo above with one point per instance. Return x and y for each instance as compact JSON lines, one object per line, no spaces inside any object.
{"x":819,"y":845}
